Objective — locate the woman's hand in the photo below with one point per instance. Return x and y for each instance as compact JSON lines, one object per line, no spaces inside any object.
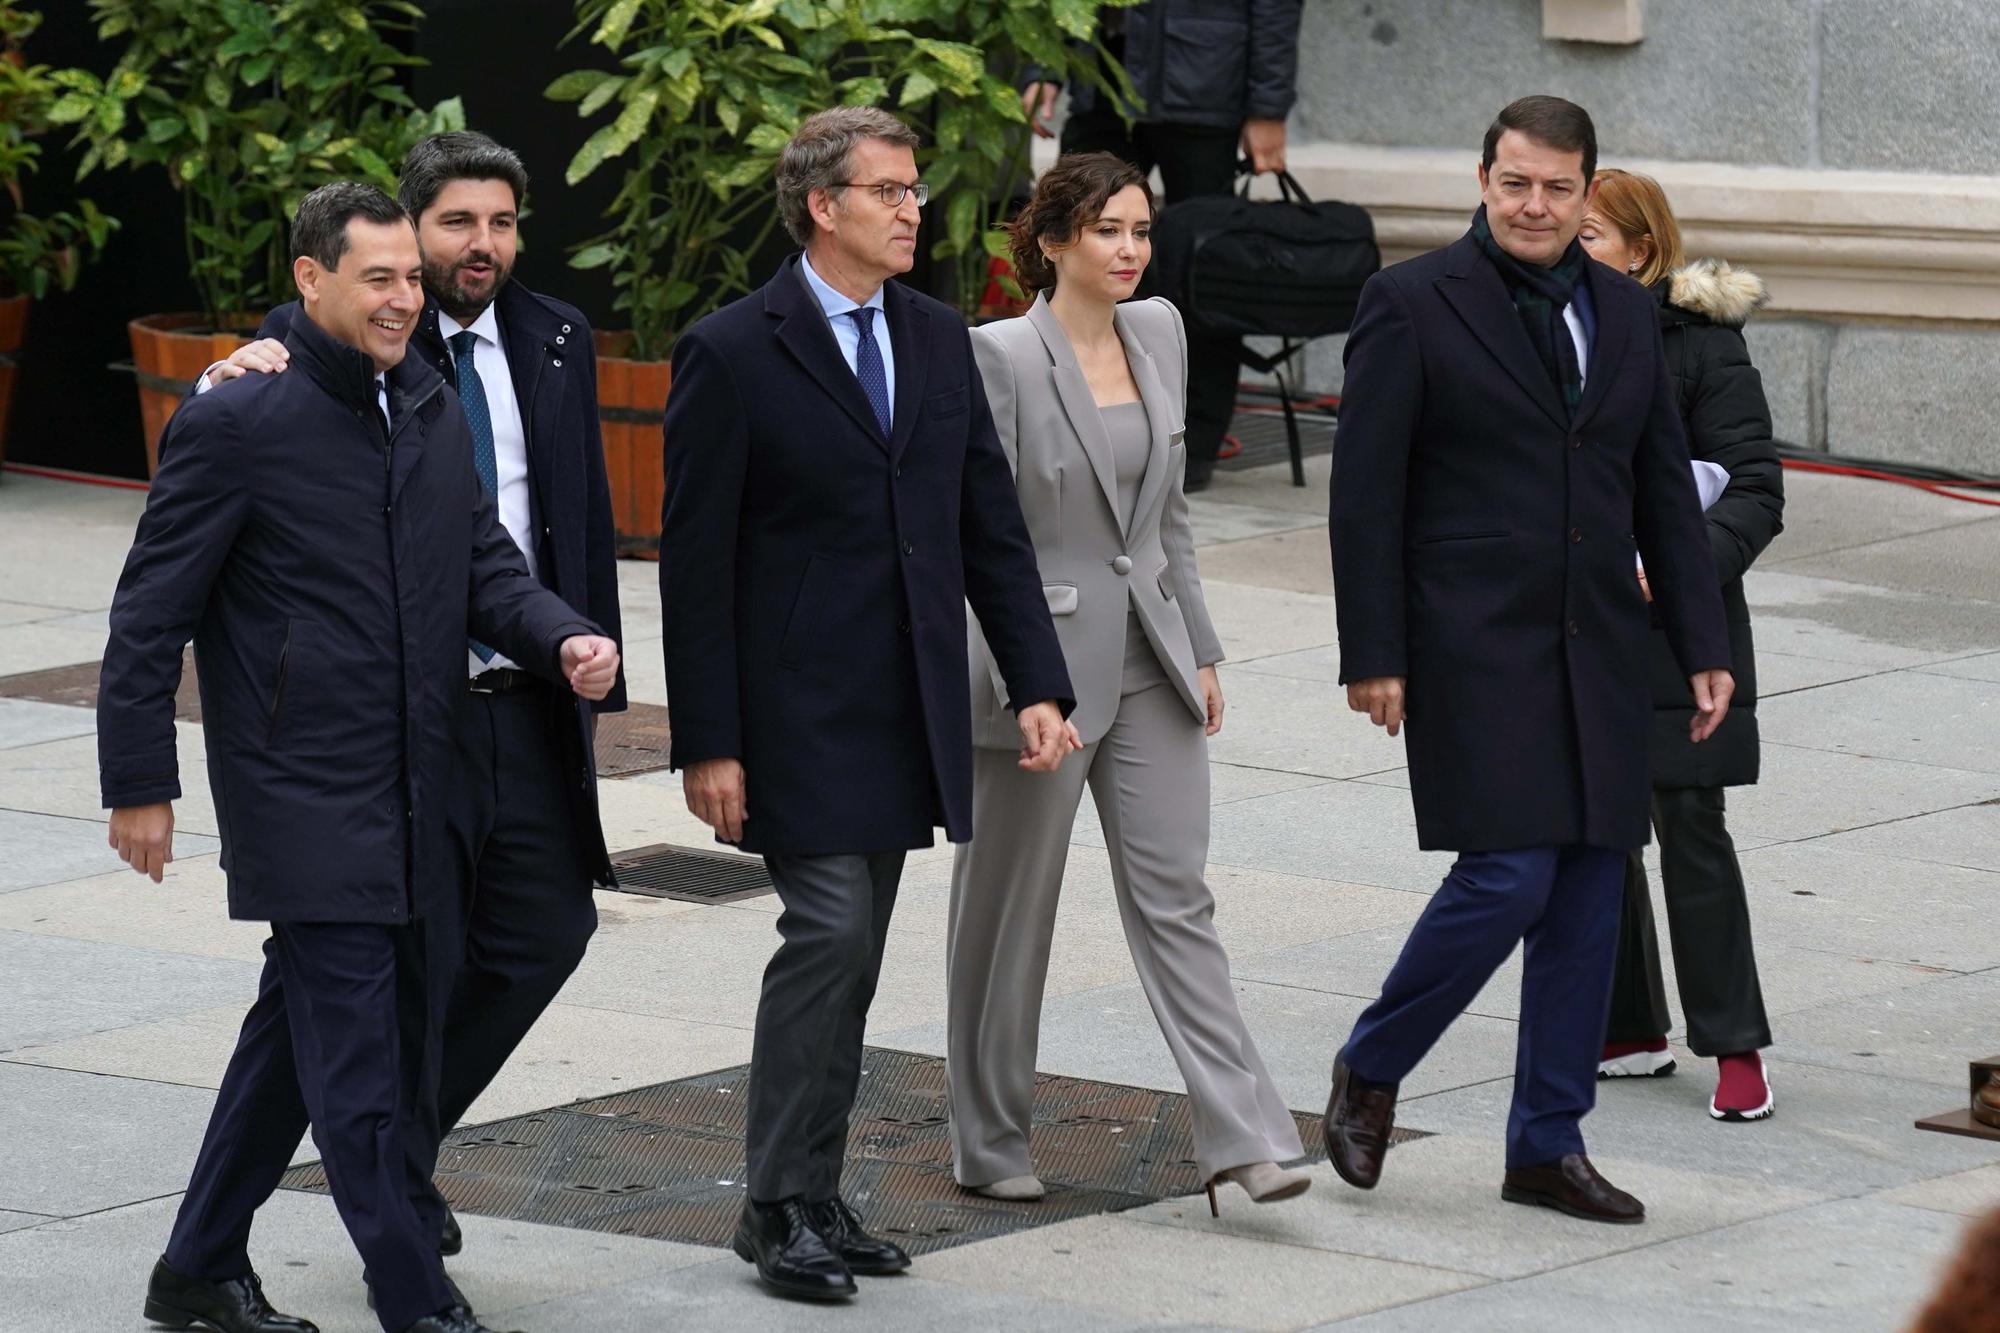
{"x":1211,"y":693}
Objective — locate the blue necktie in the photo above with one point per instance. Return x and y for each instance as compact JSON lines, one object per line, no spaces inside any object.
{"x":868,"y":366}
{"x":472,"y":396}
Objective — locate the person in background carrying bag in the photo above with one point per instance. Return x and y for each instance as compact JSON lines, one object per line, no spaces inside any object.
{"x":1210,"y":77}
{"x":1703,"y":306}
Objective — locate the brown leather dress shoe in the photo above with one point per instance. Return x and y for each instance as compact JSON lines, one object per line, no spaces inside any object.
{"x":1357,"y":1124}
{"x":1571,"y":1185}
{"x":1986,"y":1105}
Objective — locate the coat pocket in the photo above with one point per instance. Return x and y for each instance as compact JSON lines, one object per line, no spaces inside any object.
{"x":801,"y":627}
{"x":1062,"y":598}
{"x":947,"y":404}
{"x":279,"y":677}
{"x":1444,"y":537}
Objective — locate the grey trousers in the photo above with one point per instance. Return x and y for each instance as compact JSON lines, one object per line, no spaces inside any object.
{"x":1149,"y":775}
{"x":805,"y":1059}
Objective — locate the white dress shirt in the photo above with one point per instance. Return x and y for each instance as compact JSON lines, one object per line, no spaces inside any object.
{"x":1575,"y":322}
{"x":847,"y":333}
{"x":510,"y":441}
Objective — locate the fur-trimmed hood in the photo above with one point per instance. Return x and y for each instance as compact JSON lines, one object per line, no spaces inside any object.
{"x":1712,"y":289}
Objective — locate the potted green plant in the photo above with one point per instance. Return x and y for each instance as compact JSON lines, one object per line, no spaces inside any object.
{"x":702,"y":99}
{"x":247,"y":107}
{"x":39,"y":252}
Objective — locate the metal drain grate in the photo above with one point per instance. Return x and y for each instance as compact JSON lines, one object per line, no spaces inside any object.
{"x":690,"y":876}
{"x":666,"y":1162}
{"x":634,"y":741}
{"x":76,"y":686}
{"x":1262,"y":435}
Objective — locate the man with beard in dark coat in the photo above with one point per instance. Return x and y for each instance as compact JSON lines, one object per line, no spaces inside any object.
{"x":1508,"y":431}
{"x":323,"y":538}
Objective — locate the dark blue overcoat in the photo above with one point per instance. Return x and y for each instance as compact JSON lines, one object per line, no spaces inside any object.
{"x":328,"y":572}
{"x":814,"y":575}
{"x":1483,"y":549}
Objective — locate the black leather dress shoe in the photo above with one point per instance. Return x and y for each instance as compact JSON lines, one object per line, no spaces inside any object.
{"x":460,"y":1320}
{"x":792,"y":1258}
{"x":870,"y":1256}
{"x":450,"y":1239}
{"x":1571,"y":1185}
{"x":1358,"y":1119}
{"x":233,"y":1306}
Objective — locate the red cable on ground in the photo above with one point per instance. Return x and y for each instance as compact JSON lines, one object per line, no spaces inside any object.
{"x":1935,"y":488}
{"x":81,"y":478}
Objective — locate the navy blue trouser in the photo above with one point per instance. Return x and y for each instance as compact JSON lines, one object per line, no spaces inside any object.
{"x":1562,"y":904}
{"x":343,"y":1033}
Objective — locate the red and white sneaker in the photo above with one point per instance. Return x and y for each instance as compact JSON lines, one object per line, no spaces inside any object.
{"x":1743,"y":1092}
{"x":1636,"y":1059}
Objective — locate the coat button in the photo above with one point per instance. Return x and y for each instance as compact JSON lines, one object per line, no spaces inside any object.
{"x":909,"y":548}
{"x":898,"y":472}
{"x":1576,"y":442}
{"x":565,"y":328}
{"x":559,"y":340}
{"x":1575,"y":535}
{"x":558,"y":363}
{"x":1121,"y":564}
{"x":1572,"y":629}
{"x":903,"y":627}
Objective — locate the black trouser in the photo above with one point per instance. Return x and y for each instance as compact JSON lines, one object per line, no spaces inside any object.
{"x":513,"y":830}
{"x":1193,"y":160}
{"x":1708,"y":920}
{"x":343,"y":1034}
{"x":805,"y":1059}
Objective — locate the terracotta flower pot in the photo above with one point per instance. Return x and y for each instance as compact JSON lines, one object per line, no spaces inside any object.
{"x":169,"y":351}
{"x":631,"y":404}
{"x":13,"y":332}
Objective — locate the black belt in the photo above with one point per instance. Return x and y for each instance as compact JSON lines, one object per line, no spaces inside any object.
{"x":504,"y":680}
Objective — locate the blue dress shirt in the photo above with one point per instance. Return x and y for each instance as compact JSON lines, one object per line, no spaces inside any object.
{"x":846,"y":332}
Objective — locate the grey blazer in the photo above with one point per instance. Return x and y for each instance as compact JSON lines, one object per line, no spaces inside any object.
{"x":1093,"y":568}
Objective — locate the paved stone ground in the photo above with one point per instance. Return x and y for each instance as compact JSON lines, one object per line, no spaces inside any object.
{"x":1872,"y":851}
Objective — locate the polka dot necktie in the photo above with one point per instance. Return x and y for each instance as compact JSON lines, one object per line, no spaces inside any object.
{"x":472,"y":396}
{"x":868,"y":366}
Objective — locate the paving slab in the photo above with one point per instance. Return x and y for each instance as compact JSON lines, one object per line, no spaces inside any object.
{"x":25,"y":722}
{"x":1257,"y":622}
{"x":50,"y":849}
{"x":1439,"y":1206}
{"x":1826,"y":513}
{"x":1973,"y":1193}
{"x":1919,"y":1034}
{"x":20,"y":613}
{"x":90,"y":1273}
{"x":1226,"y":782}
{"x":1782,"y":673}
{"x":574,"y":1052}
{"x":1297,"y":561}
{"x":15,"y":1221}
{"x":1321,"y":665}
{"x":186,"y":914}
{"x":1835,"y":1131}
{"x":1955,"y":561}
{"x":1356,"y":832}
{"x":59,"y":777}
{"x":1125,"y":1268}
{"x":1980,"y":666}
{"x":1910,"y":715}
{"x":77,"y":1143}
{"x":1806,"y":793}
{"x":1221,"y":522}
{"x":191,"y":1049}
{"x":1271,"y":488}
{"x":1297,"y":726}
{"x":62,"y":988}
{"x":1839,"y":621}
{"x":1857,"y":904}
{"x":1967,"y":836}
{"x":1846,"y":1266}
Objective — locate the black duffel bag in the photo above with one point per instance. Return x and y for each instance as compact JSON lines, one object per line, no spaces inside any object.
{"x":1284,"y":268}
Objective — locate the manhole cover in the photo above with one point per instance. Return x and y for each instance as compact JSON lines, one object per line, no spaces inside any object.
{"x":666,"y":1162}
{"x":690,"y":876}
{"x":77,"y":686}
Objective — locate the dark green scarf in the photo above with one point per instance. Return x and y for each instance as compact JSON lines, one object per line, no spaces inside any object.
{"x":1540,"y":296}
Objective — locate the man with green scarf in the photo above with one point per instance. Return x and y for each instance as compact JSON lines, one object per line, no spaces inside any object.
{"x":1508,"y":434}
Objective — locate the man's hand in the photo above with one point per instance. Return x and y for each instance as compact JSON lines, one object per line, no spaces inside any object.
{"x":1645,"y":588}
{"x":266,"y":356}
{"x":1381,"y":697}
{"x":1264,"y":143}
{"x":1712,"y":693}
{"x":1038,"y":103}
{"x":716,"y":795}
{"x":1211,"y":693}
{"x":143,"y":836}
{"x":590,"y":664}
{"x":1045,"y":738}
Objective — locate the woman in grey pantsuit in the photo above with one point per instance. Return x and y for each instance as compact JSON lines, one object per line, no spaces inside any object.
{"x":1087,"y":395}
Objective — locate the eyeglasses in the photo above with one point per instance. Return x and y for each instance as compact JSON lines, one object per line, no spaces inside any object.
{"x":891,"y":192}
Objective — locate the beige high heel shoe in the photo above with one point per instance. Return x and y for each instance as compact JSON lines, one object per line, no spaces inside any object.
{"x":1014,"y":1189}
{"x":1264,"y":1182}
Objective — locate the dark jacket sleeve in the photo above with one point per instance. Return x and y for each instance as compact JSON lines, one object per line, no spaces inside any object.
{"x":1380,"y":409}
{"x":197,"y":505}
{"x":1667,"y":523}
{"x":279,"y":322}
{"x":1002,"y":580}
{"x":505,"y":605}
{"x":1274,"y":57}
{"x":706,"y":450}
{"x":1729,"y":425}
{"x":600,"y":533}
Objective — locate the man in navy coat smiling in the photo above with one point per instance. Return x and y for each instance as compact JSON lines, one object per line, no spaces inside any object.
{"x":835,"y":495}
{"x":1508,"y":434}
{"x":323,"y":538}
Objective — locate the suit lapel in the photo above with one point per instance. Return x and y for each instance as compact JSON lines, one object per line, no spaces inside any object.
{"x":1613,"y":331}
{"x":1473,"y":288}
{"x":1158,"y":417}
{"x":525,"y":332}
{"x":909,"y":342}
{"x":1079,"y":404}
{"x":806,"y":334}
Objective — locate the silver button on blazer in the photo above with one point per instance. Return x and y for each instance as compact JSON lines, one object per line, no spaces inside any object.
{"x":1095,"y":568}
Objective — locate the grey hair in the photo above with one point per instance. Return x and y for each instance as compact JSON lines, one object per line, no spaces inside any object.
{"x":319,"y":228}
{"x":817,"y":157}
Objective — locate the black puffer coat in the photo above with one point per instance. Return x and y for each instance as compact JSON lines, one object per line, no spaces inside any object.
{"x":1703,"y":307}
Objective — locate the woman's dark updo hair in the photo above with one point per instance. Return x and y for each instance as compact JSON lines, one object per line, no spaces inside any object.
{"x":1069,"y":196}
